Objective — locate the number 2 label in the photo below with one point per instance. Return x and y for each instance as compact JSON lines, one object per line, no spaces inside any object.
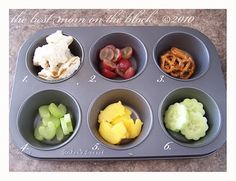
{"x":92,"y":78}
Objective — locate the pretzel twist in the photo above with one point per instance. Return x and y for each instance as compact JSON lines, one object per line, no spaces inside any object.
{"x":177,"y":63}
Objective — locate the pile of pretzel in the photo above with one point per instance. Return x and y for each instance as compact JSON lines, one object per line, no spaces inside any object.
{"x":177,"y":63}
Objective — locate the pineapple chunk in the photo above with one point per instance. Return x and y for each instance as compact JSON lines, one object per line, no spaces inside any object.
{"x":119,"y":130}
{"x":112,"y":134}
{"x":134,"y":129}
{"x":123,"y":117}
{"x":137,"y":128}
{"x":128,"y":112}
{"x":116,"y":123}
{"x":110,"y":112}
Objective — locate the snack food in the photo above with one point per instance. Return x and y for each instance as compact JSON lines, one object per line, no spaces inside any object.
{"x":177,"y":63}
{"x":116,"y":62}
{"x":55,"y":58}
{"x":116,"y":124}
{"x":187,"y":118}
{"x":55,"y":122}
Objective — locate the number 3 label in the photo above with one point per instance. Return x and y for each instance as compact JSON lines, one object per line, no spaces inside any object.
{"x":161,"y":79}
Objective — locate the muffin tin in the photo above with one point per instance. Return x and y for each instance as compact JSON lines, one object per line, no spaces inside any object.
{"x":147,"y":94}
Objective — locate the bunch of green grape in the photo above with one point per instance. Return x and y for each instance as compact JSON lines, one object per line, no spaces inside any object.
{"x":55,"y":122}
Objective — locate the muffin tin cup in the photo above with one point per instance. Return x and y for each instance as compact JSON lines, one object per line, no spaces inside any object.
{"x":189,"y":43}
{"x":120,"y":40}
{"x":129,"y":98}
{"x":75,"y":48}
{"x":28,"y":117}
{"x":148,"y":94}
{"x":213,"y":115}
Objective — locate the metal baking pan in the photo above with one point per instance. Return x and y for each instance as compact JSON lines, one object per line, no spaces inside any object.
{"x":148,"y":94}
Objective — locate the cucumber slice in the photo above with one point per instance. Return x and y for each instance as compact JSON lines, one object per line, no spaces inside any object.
{"x":49,"y":131}
{"x":66,"y":124}
{"x":62,"y":108}
{"x":37,"y":135}
{"x":176,"y":117}
{"x":44,"y":111}
{"x":196,"y":127}
{"x":193,"y":105}
{"x":55,"y":111}
{"x":52,"y":119}
{"x":59,"y":134}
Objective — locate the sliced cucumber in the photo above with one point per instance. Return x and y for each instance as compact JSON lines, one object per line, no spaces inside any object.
{"x":196,"y":127}
{"x":55,"y":111}
{"x":59,"y":134}
{"x":193,"y":105}
{"x":44,"y":111}
{"x":49,"y":131}
{"x":176,"y":117}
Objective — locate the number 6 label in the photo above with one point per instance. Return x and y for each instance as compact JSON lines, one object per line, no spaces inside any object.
{"x":167,"y":146}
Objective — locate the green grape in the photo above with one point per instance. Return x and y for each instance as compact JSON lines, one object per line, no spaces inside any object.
{"x":175,"y":117}
{"x":59,"y":134}
{"x":196,"y":127}
{"x":54,"y":123}
{"x":62,"y":108}
{"x":37,"y":135}
{"x":44,"y":111}
{"x":193,"y":105}
{"x":48,"y":132}
{"x":52,"y":119}
{"x":55,"y":111}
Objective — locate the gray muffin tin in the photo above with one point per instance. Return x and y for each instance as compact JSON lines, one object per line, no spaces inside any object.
{"x":148,"y":94}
